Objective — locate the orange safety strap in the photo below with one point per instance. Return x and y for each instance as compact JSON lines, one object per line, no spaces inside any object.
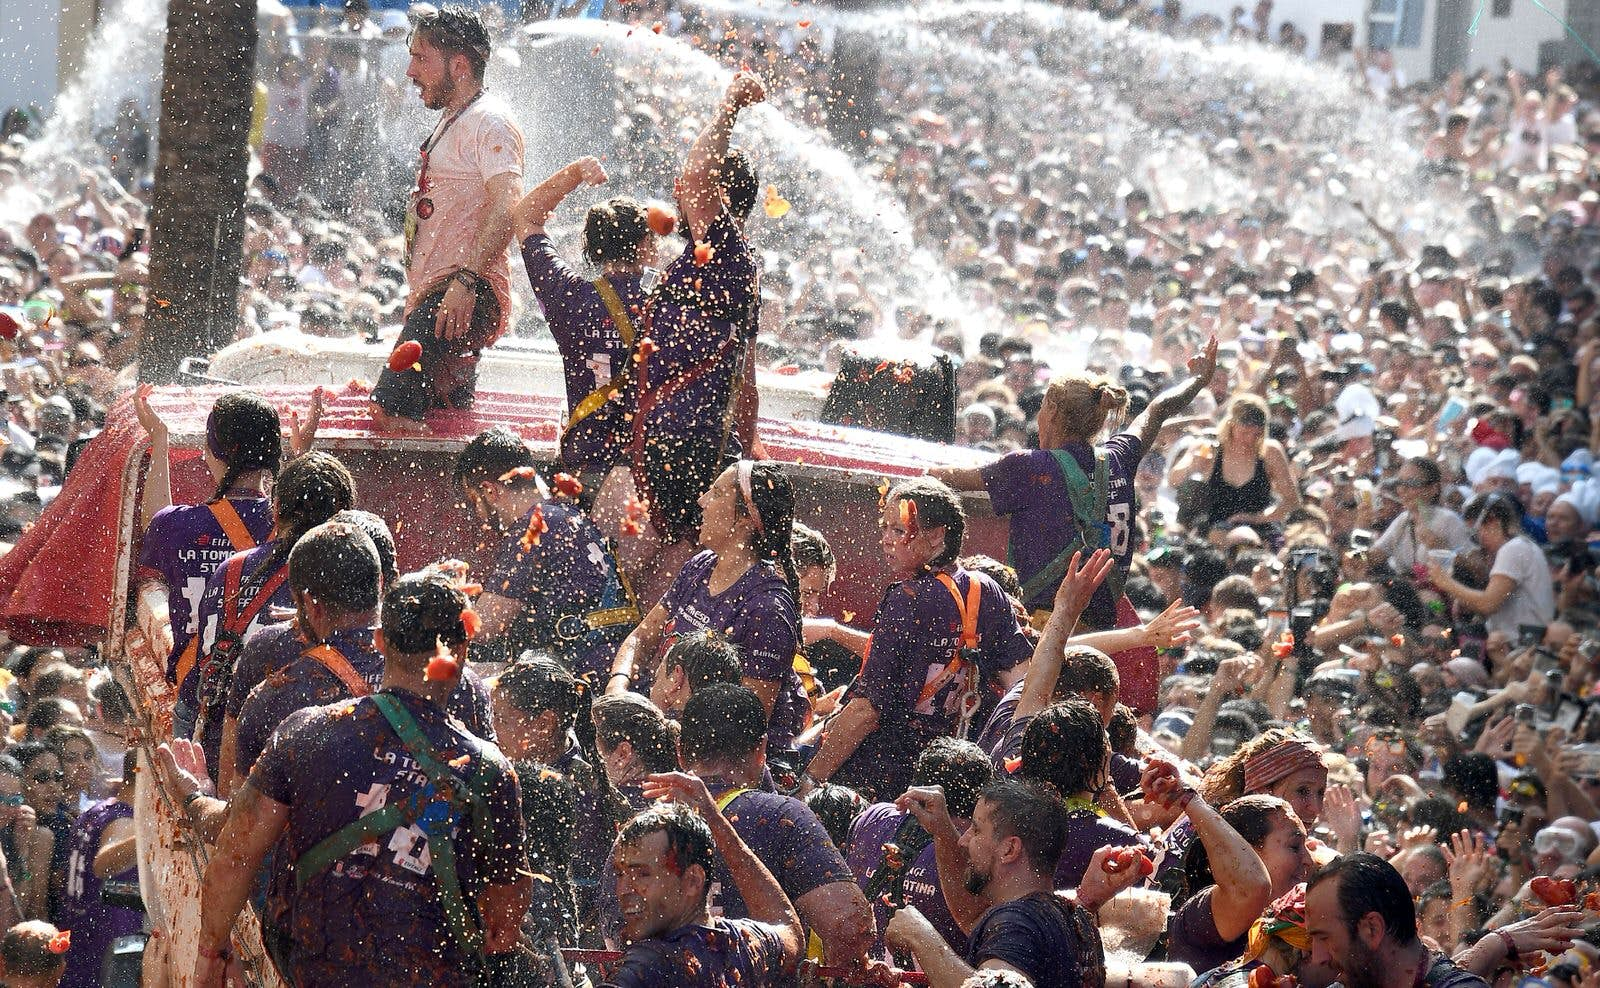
{"x":232,"y":620}
{"x":968,"y":610}
{"x":334,"y":661}
{"x":233,"y":526}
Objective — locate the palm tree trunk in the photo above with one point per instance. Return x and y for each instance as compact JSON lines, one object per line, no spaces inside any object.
{"x":197,"y":215}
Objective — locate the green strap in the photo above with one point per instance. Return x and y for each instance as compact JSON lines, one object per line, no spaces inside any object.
{"x":464,"y":925}
{"x":1089,"y":501}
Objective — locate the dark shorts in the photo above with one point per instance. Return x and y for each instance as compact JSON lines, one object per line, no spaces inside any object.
{"x":449,"y":375}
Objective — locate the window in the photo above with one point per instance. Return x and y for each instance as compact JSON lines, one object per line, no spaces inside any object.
{"x":1395,"y":23}
{"x":1501,"y":8}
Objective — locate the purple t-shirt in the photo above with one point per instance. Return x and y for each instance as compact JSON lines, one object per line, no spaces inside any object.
{"x":1028,"y":485}
{"x":758,"y":615}
{"x":1192,"y":936}
{"x":694,"y":311}
{"x":1051,"y":940}
{"x":875,"y":826}
{"x":778,"y":829}
{"x":303,"y":683}
{"x":914,"y":636}
{"x":592,"y":351}
{"x":1087,"y":833}
{"x":207,"y":693}
{"x":267,"y":650}
{"x":568,"y":574}
{"x":376,"y":911}
{"x":183,"y":546}
{"x":738,"y":952}
{"x":93,"y":923}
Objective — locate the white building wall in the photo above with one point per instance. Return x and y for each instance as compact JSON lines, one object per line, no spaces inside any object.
{"x":30,"y":35}
{"x":1517,"y":37}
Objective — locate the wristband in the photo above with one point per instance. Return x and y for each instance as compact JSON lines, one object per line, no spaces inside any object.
{"x":191,"y":799}
{"x":622,"y":675}
{"x":467,"y":277}
{"x":1511,"y":945}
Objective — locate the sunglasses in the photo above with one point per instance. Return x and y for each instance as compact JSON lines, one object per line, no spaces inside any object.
{"x":11,"y":800}
{"x":1395,"y":745}
{"x":42,"y":778}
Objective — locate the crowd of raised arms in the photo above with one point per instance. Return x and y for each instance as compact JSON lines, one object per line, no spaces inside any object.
{"x":1291,"y":670}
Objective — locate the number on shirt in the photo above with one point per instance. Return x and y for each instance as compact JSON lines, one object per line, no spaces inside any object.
{"x":193,"y":589}
{"x":1120,"y":529}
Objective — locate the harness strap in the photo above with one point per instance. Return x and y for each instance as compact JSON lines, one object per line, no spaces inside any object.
{"x":334,"y":661}
{"x":614,"y":308}
{"x":464,"y":925}
{"x":1089,"y":500}
{"x":729,"y":796}
{"x":233,"y":526}
{"x":968,"y":610}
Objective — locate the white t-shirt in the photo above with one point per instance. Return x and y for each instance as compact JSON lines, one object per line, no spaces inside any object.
{"x":483,"y":143}
{"x":288,"y":118}
{"x":1533,"y":601}
{"x":1400,"y":544}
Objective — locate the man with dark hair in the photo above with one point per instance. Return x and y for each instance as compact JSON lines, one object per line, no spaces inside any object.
{"x":555,"y":586}
{"x":696,"y":660}
{"x":1363,"y":925}
{"x":959,"y":769}
{"x":723,"y":741}
{"x":1026,"y":926}
{"x":664,"y":860}
{"x":398,"y":827}
{"x":458,"y":223}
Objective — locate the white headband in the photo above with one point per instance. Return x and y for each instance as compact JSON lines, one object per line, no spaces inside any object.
{"x":745,"y":468}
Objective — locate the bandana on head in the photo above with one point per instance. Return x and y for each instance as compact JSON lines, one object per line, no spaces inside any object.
{"x":746,"y":467}
{"x":1267,"y":768}
{"x":1285,"y":919}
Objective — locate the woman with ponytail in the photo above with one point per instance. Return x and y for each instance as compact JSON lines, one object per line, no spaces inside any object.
{"x":310,"y":490}
{"x":185,"y":544}
{"x":742,"y":584}
{"x":593,"y":321}
{"x":1071,"y":494}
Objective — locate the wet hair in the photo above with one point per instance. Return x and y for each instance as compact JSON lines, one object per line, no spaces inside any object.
{"x":1123,"y":731}
{"x":936,"y":505}
{"x":1252,"y":817}
{"x":613,"y":229}
{"x":1224,"y":781}
{"x":809,"y":548}
{"x":1031,"y":811}
{"x":837,"y":807}
{"x":1431,"y":475}
{"x":997,"y":571}
{"x":960,"y":768}
{"x":47,"y":713}
{"x":58,"y":737}
{"x":243,"y":431}
{"x":337,"y":565}
{"x":1085,"y":402}
{"x":1086,"y":669}
{"x":1499,"y":506}
{"x":382,"y":539}
{"x":632,"y":718}
{"x":706,"y":657}
{"x":54,"y":679}
{"x":311,"y":489}
{"x":740,"y":183}
{"x":1065,"y":745}
{"x":489,"y":456}
{"x":550,"y":821}
{"x":28,"y":752}
{"x":1473,"y":777}
{"x":688,"y":837}
{"x":112,"y":699}
{"x":721,"y":723}
{"x":1240,"y":407}
{"x":774,"y":500}
{"x":420,"y":611}
{"x":1369,"y":884}
{"x":25,"y":950}
{"x":456,"y":29}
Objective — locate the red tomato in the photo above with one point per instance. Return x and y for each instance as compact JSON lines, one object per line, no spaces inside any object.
{"x":660,"y":221}
{"x":405,"y":356}
{"x":471,"y":622}
{"x":703,"y":253}
{"x":441,"y":668}
{"x":568,"y":485}
{"x":1555,"y":892}
{"x":9,"y":327}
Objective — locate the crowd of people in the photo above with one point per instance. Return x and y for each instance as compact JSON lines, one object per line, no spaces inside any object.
{"x":1292,"y":668}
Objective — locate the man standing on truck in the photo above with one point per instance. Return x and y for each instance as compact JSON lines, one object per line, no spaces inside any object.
{"x":458,"y":225}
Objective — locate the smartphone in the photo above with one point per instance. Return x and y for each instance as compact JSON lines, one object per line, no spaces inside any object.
{"x":1525,"y":713}
{"x":1361,"y":540}
{"x":1569,"y":714}
{"x":1529,"y":635}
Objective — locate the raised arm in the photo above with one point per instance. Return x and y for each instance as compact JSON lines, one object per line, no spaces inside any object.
{"x":959,"y":478}
{"x":529,"y":214}
{"x":1072,"y":597}
{"x":1174,"y":400}
{"x":1243,"y":886}
{"x":762,"y":894}
{"x":158,"y":478}
{"x":700,"y":186}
